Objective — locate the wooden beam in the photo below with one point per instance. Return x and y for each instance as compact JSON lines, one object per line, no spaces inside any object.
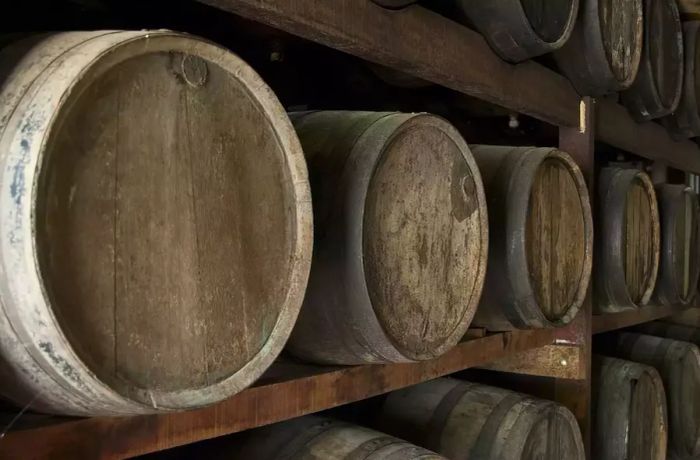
{"x":287,"y":391}
{"x":612,"y":321}
{"x":559,"y":361}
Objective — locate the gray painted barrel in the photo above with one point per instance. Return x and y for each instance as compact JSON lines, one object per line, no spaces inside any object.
{"x":678,"y":364}
{"x":629,"y":411}
{"x":155,"y":223}
{"x":315,"y":437}
{"x":541,"y":235}
{"x":463,"y":420}
{"x":401,"y":238}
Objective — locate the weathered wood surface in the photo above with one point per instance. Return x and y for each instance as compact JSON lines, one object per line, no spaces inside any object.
{"x":680,"y":265}
{"x":466,"y":420}
{"x":156,"y":221}
{"x":401,"y":245}
{"x":678,"y":364}
{"x":629,"y":239}
{"x":685,"y":121}
{"x":557,"y":361}
{"x":689,"y":9}
{"x":520,"y":29}
{"x":541,"y":237}
{"x":689,"y":317}
{"x":605,"y":48}
{"x":657,"y":89}
{"x":282,"y":394}
{"x":321,"y":438}
{"x":611,"y":321}
{"x":629,"y":411}
{"x":670,"y":331}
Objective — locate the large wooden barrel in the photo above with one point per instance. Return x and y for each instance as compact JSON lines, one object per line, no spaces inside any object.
{"x":520,"y":29}
{"x":669,"y":330}
{"x":401,"y":238}
{"x":321,"y":438}
{"x":628,"y":239}
{"x":466,"y":420}
{"x":685,"y":121}
{"x":541,"y":237}
{"x":657,"y":89}
{"x":680,"y":265}
{"x":678,"y":364}
{"x":604,"y":51}
{"x":629,"y":411}
{"x":155,"y":223}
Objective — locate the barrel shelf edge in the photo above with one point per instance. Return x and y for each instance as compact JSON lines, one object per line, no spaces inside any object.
{"x":613,"y":321}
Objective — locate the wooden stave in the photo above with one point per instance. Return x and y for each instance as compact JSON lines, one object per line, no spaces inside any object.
{"x":585,"y":50}
{"x":665,"y":355}
{"x":335,"y":440}
{"x":442,"y":416}
{"x":611,"y":382}
{"x":610,"y":285}
{"x":684,"y":123}
{"x":642,"y":98}
{"x":666,"y":292}
{"x":39,"y":378}
{"x":316,"y":335}
{"x":508,"y":302}
{"x":508,"y":31}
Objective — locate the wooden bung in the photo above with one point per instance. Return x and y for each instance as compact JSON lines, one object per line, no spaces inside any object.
{"x":463,"y":420}
{"x":685,"y":121}
{"x":604,"y":51}
{"x":315,"y":437}
{"x":520,"y":29}
{"x":628,"y":232}
{"x":156,"y":224}
{"x":541,"y":237}
{"x":679,"y":266}
{"x":678,"y":364}
{"x":401,"y":238}
{"x":657,"y":89}
{"x":629,"y":411}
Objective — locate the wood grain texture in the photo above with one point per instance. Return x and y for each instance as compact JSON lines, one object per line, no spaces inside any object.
{"x":656,"y":90}
{"x":611,"y":321}
{"x":678,"y":364}
{"x":639,"y":241}
{"x":401,"y":253}
{"x":284,"y":393}
{"x":558,"y":361}
{"x":172,"y":231}
{"x":320,"y":438}
{"x":541,"y":233}
{"x":629,"y":408}
{"x":466,"y":420}
{"x":604,"y":51}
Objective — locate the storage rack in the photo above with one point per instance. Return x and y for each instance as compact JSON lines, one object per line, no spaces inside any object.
{"x":426,"y":45}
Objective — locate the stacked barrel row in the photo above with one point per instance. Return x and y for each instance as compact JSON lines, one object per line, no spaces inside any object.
{"x":156,"y":220}
{"x":646,"y":393}
{"x":444,"y":418}
{"x":640,"y":49}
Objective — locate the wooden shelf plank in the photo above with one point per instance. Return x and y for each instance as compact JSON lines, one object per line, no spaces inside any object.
{"x":424,"y":44}
{"x":287,"y":391}
{"x":612,"y":321}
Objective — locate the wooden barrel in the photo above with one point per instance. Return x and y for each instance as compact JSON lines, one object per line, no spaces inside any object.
{"x":689,"y":9}
{"x":541,"y":237}
{"x":603,"y":54}
{"x":520,"y":29}
{"x":466,"y":420}
{"x":679,"y":263}
{"x":629,"y":239}
{"x":685,"y":121}
{"x":678,"y":364}
{"x":629,"y":411}
{"x":669,"y":330}
{"x":156,"y":224}
{"x":315,"y":437}
{"x":401,"y":238}
{"x":657,"y":89}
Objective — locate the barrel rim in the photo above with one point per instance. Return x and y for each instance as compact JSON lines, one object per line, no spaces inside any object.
{"x":135,"y":400}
